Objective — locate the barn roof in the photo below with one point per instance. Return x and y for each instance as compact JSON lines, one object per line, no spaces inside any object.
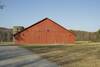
{"x":40,"y":22}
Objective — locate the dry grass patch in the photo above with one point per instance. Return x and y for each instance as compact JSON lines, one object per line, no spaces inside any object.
{"x":70,"y":56}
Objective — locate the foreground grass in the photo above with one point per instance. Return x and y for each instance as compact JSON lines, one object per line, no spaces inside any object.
{"x":6,"y":43}
{"x":87,"y":55}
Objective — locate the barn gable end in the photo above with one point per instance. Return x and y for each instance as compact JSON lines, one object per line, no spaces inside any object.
{"x":45,"y":31}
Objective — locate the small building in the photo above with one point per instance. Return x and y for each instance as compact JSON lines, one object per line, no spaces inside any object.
{"x":45,"y":31}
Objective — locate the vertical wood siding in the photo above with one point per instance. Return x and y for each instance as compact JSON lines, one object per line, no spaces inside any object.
{"x":46,"y":32}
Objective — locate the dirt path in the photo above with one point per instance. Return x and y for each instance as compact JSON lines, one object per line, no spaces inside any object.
{"x":14,"y":56}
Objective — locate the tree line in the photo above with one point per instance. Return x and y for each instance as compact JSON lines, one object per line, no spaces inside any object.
{"x":6,"y":35}
{"x":87,"y":36}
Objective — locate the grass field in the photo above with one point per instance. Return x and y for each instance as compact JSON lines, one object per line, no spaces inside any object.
{"x":6,"y":43}
{"x":81,"y":54}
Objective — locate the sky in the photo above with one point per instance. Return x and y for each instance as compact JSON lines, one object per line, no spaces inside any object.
{"x":72,"y":14}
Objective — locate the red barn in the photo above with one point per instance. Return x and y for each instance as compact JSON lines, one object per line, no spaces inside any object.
{"x":45,"y":31}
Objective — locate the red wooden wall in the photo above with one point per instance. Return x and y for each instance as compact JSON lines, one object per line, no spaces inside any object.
{"x":45,"y":32}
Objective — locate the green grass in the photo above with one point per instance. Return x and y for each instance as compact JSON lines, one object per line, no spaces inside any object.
{"x":77,"y":55}
{"x":6,"y":43}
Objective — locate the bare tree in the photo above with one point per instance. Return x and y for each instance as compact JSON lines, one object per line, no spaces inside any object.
{"x":1,"y":5}
{"x":98,"y":35}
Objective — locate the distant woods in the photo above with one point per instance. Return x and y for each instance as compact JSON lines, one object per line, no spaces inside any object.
{"x":87,"y":36}
{"x":6,"y":35}
{"x":98,"y":35}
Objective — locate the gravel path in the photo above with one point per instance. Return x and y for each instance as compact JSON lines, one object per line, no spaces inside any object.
{"x":14,"y":56}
